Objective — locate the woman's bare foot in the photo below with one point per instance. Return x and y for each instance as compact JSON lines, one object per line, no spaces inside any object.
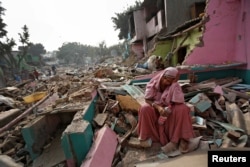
{"x":170,"y":147}
{"x":190,"y":145}
{"x":183,"y":146}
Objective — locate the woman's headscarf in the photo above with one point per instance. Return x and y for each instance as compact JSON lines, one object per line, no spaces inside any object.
{"x":171,"y":72}
{"x":171,"y":94}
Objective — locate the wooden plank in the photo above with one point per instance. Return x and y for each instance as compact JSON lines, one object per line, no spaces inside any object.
{"x":230,"y":96}
{"x":242,"y":95}
{"x":237,"y":118}
{"x":247,"y":122}
{"x":232,"y":83}
{"x":101,"y":94}
{"x":202,"y":86}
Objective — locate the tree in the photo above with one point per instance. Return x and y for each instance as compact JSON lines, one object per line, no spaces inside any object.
{"x":9,"y":60}
{"x":102,"y":49}
{"x":121,"y":20}
{"x":36,"y":49}
{"x":116,"y":50}
{"x":24,"y":39}
{"x":6,"y":44}
{"x":81,"y":54}
{"x":3,"y":32}
{"x":68,"y":52}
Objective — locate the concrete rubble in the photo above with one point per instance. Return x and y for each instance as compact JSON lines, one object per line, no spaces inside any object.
{"x":220,"y":113}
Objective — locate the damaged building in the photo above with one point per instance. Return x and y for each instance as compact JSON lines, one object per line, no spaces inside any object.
{"x":87,"y":118}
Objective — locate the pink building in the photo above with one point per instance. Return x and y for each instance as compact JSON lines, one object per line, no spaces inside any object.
{"x":225,"y":37}
{"x":220,"y":39}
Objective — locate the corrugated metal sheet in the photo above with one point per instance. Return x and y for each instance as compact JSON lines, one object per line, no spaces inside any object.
{"x":136,"y":92}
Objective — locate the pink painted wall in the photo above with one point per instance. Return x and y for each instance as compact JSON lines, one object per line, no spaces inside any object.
{"x":137,"y":48}
{"x":225,"y":36}
{"x":103,"y":149}
{"x":243,"y":34}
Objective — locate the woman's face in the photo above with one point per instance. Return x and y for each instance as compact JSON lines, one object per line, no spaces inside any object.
{"x":166,"y":81}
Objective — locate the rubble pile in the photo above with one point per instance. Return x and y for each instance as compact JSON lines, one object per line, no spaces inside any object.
{"x":220,"y":109}
{"x":220,"y":115}
{"x":68,"y":91}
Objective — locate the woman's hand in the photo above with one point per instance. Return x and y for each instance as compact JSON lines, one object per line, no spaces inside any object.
{"x":160,"y":109}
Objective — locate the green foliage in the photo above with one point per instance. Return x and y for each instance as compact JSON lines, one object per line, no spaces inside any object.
{"x":121,"y":20}
{"x":102,"y":49}
{"x":121,"y":23}
{"x":3,"y":32}
{"x":36,"y":49}
{"x":7,"y":58}
{"x":23,"y":50}
{"x":6,"y":44}
{"x":116,"y":50}
{"x":84,"y":54}
{"x":11,"y":61}
{"x":74,"y":52}
{"x":24,"y":37}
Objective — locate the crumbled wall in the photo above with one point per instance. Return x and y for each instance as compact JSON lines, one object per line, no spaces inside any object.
{"x":220,"y":34}
{"x":162,"y":48}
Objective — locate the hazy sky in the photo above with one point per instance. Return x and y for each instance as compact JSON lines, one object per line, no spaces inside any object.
{"x":53,"y":22}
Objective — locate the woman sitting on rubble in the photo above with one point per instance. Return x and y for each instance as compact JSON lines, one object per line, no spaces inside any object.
{"x":165,"y":118}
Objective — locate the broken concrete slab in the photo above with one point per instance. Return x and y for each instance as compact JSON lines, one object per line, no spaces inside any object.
{"x":76,"y":141}
{"x":51,"y":156}
{"x":101,"y":118}
{"x":89,"y":112}
{"x":6,"y":161}
{"x":201,"y":102}
{"x":38,"y":132}
{"x":103,"y":149}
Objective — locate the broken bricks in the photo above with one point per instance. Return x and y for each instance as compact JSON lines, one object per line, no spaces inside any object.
{"x":122,"y":105}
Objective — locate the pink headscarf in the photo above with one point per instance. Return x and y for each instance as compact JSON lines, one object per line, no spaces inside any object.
{"x":171,"y":72}
{"x":173,"y":93}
